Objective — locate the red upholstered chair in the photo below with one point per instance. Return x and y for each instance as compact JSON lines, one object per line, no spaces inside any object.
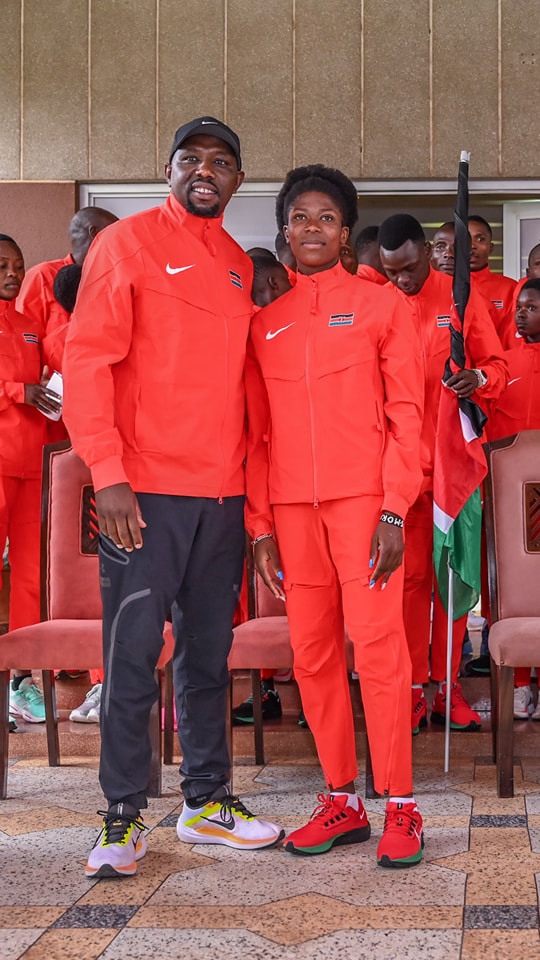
{"x":263,"y":643}
{"x":512,"y":504}
{"x":70,"y":627}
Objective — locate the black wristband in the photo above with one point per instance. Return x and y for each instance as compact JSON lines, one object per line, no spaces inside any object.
{"x":391,"y":518}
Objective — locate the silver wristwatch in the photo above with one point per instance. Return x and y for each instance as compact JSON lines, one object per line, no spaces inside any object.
{"x":481,"y":377}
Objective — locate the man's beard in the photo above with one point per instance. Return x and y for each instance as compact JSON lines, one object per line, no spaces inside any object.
{"x":207,"y":213}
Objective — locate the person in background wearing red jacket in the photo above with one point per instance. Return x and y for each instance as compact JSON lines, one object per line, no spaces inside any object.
{"x":517,"y":409}
{"x":369,"y":259}
{"x":532,"y":272}
{"x":23,"y":401}
{"x":155,"y":405}
{"x":427,"y":293}
{"x":335,"y":372}
{"x":493,"y":286}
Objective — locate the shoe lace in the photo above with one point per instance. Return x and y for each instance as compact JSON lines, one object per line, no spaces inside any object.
{"x":231,"y":804}
{"x":33,"y":694}
{"x":116,"y":829}
{"x":326,"y":808}
{"x":402,"y":819}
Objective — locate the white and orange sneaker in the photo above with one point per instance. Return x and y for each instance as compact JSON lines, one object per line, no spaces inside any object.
{"x":224,"y":819}
{"x":120,"y":844}
{"x":402,"y":840}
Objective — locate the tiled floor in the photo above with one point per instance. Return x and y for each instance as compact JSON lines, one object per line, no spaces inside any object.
{"x":474,"y":897}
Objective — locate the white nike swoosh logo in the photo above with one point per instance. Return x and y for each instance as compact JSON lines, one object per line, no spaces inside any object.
{"x":515,"y":380}
{"x":170,"y":269}
{"x":270,"y":335}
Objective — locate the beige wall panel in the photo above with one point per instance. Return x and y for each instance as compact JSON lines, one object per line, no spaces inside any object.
{"x":396,"y":88}
{"x":520,"y":87}
{"x":260,"y":84}
{"x":328,"y":102}
{"x":465,"y":99}
{"x":55,"y":132}
{"x":191,"y":58}
{"x":11,"y":91}
{"x":123,"y":89}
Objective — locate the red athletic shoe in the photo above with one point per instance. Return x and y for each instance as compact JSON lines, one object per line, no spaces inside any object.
{"x":332,"y":824}
{"x":402,"y":841}
{"x":461,"y":715}
{"x":419,"y":710}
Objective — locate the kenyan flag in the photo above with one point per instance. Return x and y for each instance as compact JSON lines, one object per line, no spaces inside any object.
{"x":460,"y":466}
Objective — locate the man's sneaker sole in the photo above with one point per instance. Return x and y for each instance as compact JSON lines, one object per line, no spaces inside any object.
{"x":385,"y":860}
{"x":213,"y":834}
{"x":440,"y":719}
{"x":108,"y":871}
{"x":352,"y":836}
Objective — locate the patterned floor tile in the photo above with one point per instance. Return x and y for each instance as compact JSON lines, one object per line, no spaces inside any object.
{"x":489,"y":885}
{"x":501,"y":917}
{"x":501,"y":945}
{"x":20,"y":917}
{"x":16,"y":942}
{"x":69,"y":944}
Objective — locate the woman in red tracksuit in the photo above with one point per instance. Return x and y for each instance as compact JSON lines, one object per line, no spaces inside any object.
{"x":334,"y":370}
{"x":517,"y":409}
{"x":23,"y":400}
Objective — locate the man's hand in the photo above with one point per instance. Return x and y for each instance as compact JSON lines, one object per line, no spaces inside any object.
{"x":268,"y":563}
{"x":35,"y":395}
{"x":464,"y":383}
{"x":387,"y":542}
{"x":120,"y":516}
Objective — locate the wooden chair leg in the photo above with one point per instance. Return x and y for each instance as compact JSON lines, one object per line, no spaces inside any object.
{"x":168,"y":726}
{"x":494,"y":694}
{"x":51,"y":717}
{"x":4,"y":731}
{"x":257,"y":716}
{"x":505,"y":732}
{"x":154,"y":782}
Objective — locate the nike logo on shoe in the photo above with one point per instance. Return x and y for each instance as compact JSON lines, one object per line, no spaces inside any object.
{"x":173,"y":270}
{"x":271,"y":334}
{"x":228,"y":824}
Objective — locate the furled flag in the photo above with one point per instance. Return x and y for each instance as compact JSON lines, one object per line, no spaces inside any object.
{"x":460,"y":463}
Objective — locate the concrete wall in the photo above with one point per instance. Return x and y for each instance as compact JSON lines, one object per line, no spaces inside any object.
{"x":93,"y":89}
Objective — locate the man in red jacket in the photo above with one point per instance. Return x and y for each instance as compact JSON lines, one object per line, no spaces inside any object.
{"x":406,"y":256}
{"x":154,"y":403}
{"x":493,"y":286}
{"x":368,"y":256}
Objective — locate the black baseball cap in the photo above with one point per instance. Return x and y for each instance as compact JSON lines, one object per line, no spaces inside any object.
{"x":210,"y":127}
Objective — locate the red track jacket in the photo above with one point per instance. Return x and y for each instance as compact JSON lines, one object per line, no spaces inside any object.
{"x":154,"y":358}
{"x":339,"y":360}
{"x":430,"y":312}
{"x":518,"y":407}
{"x":22,"y":427}
{"x":365,"y":272}
{"x":499,"y":291}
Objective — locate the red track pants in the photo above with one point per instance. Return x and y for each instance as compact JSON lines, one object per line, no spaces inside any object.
{"x":20,"y":521}
{"x":418,"y":587}
{"x":325,"y":558}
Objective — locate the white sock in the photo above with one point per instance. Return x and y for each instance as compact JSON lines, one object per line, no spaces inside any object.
{"x":352,"y":798}
{"x":402,"y":800}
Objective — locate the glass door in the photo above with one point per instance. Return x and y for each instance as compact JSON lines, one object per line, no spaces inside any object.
{"x":521,"y":231}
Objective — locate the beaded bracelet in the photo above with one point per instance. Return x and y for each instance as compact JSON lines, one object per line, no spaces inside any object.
{"x":392,"y":519}
{"x":263,"y":536}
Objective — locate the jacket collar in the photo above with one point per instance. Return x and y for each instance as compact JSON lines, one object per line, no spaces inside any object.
{"x":324,"y":279}
{"x":206,"y":229}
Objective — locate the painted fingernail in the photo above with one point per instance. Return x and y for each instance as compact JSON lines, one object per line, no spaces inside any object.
{"x":371,"y":562}
{"x":280,"y":574}
{"x":383,"y":586}
{"x":371,"y":584}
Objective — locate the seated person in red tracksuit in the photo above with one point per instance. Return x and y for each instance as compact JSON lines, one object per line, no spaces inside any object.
{"x":334,"y":367}
{"x":23,"y":430}
{"x":517,"y":409}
